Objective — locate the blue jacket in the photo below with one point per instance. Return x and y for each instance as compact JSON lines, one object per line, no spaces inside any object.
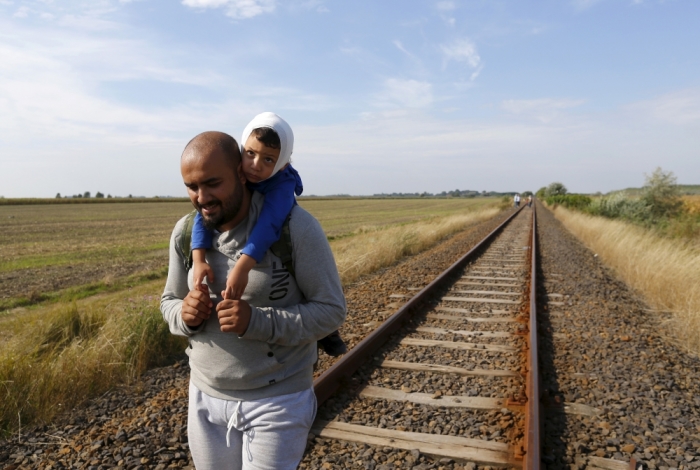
{"x":279,"y":194}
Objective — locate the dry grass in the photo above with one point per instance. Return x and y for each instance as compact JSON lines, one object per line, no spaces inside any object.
{"x":665,"y":271}
{"x":691,"y":204}
{"x":370,"y":250}
{"x":56,"y":357}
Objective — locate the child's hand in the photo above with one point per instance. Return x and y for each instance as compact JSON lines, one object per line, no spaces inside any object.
{"x":237,"y":279}
{"x":201,"y":271}
{"x":235,"y":284}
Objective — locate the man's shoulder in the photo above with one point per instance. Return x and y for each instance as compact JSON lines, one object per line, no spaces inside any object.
{"x":301,"y":222}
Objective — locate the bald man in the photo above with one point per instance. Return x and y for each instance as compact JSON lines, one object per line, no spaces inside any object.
{"x":251,"y":401}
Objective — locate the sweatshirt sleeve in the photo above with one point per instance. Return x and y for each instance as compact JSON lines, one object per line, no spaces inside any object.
{"x":279,"y":201}
{"x":176,"y":287}
{"x":201,"y":236}
{"x":317,"y":277}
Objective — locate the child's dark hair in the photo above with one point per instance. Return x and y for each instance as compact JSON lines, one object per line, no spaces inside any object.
{"x":267,"y":136}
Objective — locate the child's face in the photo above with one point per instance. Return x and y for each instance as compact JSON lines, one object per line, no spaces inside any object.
{"x":258,"y":160}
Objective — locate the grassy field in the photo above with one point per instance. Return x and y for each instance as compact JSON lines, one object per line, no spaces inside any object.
{"x":81,"y":249}
{"x":344,"y":217}
{"x":75,"y":344}
{"x":68,"y":251}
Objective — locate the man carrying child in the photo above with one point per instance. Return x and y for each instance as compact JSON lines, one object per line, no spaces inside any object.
{"x":251,"y":353}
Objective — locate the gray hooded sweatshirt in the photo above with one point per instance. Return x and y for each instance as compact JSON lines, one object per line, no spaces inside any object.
{"x":275,"y":355}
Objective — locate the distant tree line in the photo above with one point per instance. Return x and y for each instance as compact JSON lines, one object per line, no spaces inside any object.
{"x":657,"y":204}
{"x":463,"y":193}
{"x":87,"y":194}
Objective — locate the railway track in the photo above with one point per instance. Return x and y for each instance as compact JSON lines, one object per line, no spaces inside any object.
{"x":450,"y":373}
{"x":616,"y":390}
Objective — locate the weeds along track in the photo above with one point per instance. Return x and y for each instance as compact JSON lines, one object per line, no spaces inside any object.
{"x":448,"y":380}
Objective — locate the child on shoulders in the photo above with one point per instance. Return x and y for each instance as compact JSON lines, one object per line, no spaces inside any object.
{"x":266,"y":148}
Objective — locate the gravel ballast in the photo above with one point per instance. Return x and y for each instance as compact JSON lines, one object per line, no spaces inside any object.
{"x":601,"y":349}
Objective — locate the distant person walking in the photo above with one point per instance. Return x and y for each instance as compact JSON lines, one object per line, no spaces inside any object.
{"x":529,"y":201}
{"x":516,"y":200}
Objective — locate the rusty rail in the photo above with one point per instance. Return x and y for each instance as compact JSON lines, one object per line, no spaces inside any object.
{"x":532,"y":385}
{"x":334,"y":377}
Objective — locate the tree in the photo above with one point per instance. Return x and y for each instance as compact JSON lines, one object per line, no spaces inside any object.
{"x":660,"y":193}
{"x":109,"y":196}
{"x":542,"y":192}
{"x":99,"y":194}
{"x":556,"y":189}
{"x":526,"y":193}
{"x":58,"y":195}
{"x":87,"y":194}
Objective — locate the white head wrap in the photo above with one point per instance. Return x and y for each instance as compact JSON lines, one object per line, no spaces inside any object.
{"x":284,"y":131}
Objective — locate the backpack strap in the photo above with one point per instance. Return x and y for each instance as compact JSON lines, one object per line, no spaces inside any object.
{"x":282,"y":248}
{"x":186,"y":240}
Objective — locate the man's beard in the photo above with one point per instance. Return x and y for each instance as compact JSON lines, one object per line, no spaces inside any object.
{"x":229,"y":209}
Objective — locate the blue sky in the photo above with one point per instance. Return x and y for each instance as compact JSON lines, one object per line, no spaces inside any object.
{"x":383,"y":96}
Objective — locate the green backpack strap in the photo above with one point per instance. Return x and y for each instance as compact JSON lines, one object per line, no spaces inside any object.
{"x":282,"y":248}
{"x":186,"y":240}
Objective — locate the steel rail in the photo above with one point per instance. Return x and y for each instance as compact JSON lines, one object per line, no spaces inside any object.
{"x":532,"y":385}
{"x":336,"y":375}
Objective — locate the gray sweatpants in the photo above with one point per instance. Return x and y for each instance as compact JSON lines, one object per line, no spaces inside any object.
{"x":262,"y":434}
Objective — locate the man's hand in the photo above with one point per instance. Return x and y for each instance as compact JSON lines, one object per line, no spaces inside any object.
{"x":196,"y":307}
{"x":234,"y":316}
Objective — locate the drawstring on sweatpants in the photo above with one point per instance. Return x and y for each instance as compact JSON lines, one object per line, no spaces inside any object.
{"x":233,"y":422}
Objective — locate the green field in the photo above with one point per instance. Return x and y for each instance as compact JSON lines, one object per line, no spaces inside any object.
{"x":342,"y":217}
{"x":67,"y":251}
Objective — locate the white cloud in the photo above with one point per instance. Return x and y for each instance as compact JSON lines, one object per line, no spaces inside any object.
{"x":544,"y":110}
{"x":678,"y":108}
{"x":50,"y":84}
{"x":22,"y":12}
{"x":445,"y":8}
{"x":318,"y":5}
{"x":205,"y":3}
{"x":584,"y":4}
{"x":446,"y":5}
{"x":406,"y":93}
{"x":237,"y":9}
{"x":462,"y":50}
{"x":587,"y":151}
{"x":399,"y":45}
